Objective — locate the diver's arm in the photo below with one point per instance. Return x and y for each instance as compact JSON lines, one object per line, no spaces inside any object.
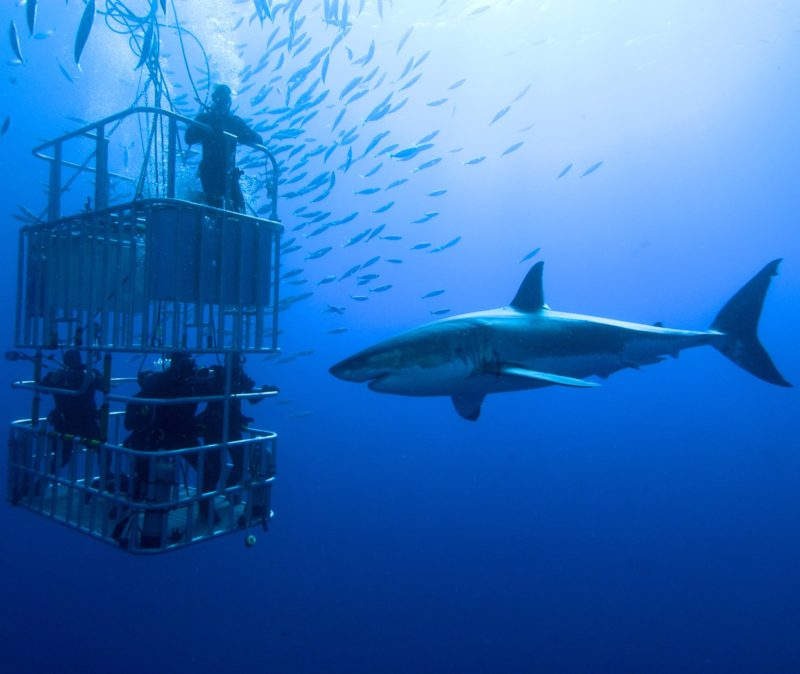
{"x":245,"y":134}
{"x":195,"y":134}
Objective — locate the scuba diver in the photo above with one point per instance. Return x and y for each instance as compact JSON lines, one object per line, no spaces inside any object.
{"x":155,"y":427}
{"x":212,"y":417}
{"x":170,"y":426}
{"x":218,"y":165}
{"x":74,"y":413}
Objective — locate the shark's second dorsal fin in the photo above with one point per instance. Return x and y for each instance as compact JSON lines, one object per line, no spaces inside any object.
{"x":530,"y":296}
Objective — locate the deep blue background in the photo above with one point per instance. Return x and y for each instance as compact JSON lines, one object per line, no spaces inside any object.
{"x":648,"y":526}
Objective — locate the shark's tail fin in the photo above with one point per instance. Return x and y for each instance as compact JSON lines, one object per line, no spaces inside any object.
{"x":738,"y":320}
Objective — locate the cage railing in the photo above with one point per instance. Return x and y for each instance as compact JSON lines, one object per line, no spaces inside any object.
{"x":142,"y":501}
{"x":153,"y":274}
{"x":163,"y":128}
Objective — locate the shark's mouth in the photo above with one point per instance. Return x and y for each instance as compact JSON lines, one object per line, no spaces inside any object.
{"x":374,"y":383}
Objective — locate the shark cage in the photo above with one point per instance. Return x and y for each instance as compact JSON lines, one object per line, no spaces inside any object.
{"x":128,"y":261}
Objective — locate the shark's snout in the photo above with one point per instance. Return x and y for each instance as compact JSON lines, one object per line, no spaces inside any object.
{"x":341,"y":371}
{"x":351,"y":369}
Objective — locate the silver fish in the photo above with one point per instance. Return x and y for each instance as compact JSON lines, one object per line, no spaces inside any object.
{"x":14,"y":36}
{"x":500,"y":114}
{"x":530,"y":255}
{"x":513,"y":148}
{"x":403,"y":39}
{"x":85,"y":27}
{"x":592,"y":169}
{"x":564,"y":171}
{"x":30,"y":13}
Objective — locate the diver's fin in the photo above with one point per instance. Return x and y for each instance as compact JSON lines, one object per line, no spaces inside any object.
{"x":738,"y":320}
{"x":546,"y":377}
{"x":468,"y":406}
{"x":530,"y":296}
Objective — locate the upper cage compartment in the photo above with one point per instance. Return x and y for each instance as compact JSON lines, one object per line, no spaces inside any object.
{"x":144,"y":269}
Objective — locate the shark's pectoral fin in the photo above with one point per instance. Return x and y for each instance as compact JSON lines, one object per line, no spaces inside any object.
{"x":546,"y":377}
{"x":468,"y":406}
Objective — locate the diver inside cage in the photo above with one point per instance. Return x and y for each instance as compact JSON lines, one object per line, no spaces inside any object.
{"x":75,"y":411}
{"x":211,"y":419}
{"x":166,"y":426}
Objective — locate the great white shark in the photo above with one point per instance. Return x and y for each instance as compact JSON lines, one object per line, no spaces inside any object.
{"x":527,"y":345}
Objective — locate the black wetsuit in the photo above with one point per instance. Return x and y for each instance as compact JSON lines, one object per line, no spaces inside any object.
{"x":157,"y":427}
{"x":219,"y":159}
{"x":212,"y":418}
{"x":74,"y":414}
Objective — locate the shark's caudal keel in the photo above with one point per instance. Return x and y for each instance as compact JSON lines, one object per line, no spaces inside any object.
{"x":527,"y":345}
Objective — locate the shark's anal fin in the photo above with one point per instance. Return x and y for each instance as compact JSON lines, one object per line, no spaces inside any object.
{"x":547,"y":377}
{"x":468,"y":406}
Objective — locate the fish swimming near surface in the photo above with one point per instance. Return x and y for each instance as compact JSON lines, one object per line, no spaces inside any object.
{"x":373,"y":171}
{"x":150,"y":39}
{"x":350,"y":272}
{"x":522,"y":93}
{"x":427,"y":164}
{"x":319,"y":253}
{"x":411,"y":152}
{"x":410,"y":82}
{"x":500,"y":114}
{"x":445,"y":246}
{"x":530,"y":255}
{"x":30,"y":13}
{"x":592,"y":169}
{"x":403,"y":39}
{"x":376,"y":231}
{"x":85,"y":27}
{"x":14,"y":37}
{"x":564,"y":171}
{"x":513,"y":148}
{"x":384,"y":208}
{"x":428,"y":137}
{"x":421,"y":59}
{"x":428,"y":216}
{"x":527,"y":345}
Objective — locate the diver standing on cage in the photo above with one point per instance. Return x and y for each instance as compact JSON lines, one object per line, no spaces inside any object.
{"x":218,"y":165}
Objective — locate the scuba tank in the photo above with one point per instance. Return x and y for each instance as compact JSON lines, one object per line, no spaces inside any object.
{"x":158,"y":491}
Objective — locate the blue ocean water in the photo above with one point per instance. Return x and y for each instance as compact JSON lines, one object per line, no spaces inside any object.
{"x":649,"y":525}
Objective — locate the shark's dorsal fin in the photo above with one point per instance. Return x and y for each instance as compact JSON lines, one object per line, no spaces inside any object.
{"x":530,"y":296}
